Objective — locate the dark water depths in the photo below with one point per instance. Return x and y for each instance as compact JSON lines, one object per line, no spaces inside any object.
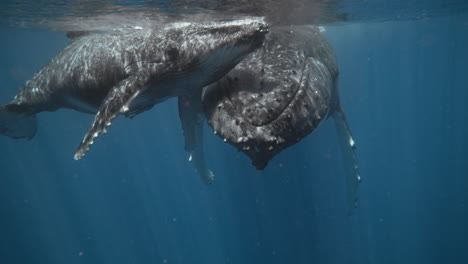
{"x":136,"y":199}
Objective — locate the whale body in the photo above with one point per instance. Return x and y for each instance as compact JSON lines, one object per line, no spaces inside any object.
{"x":115,"y":73}
{"x":278,"y":95}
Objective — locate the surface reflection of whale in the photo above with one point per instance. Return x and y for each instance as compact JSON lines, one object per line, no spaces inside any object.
{"x":278,"y":95}
{"x":127,"y":73}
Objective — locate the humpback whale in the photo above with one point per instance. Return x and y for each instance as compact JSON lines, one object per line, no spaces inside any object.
{"x":113,"y":73}
{"x":278,"y":95}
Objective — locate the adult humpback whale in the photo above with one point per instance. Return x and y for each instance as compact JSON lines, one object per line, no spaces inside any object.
{"x":128,"y":72}
{"x":279,"y":94}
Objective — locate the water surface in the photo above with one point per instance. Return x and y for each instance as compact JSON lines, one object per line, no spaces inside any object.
{"x":136,"y":199}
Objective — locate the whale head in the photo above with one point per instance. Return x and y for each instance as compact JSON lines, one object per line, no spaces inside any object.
{"x":213,"y":48}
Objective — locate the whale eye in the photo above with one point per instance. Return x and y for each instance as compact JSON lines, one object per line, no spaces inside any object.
{"x":172,"y":53}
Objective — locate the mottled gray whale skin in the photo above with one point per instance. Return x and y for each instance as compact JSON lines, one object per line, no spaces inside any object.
{"x":278,"y":95}
{"x":275,"y":96}
{"x":128,"y":72}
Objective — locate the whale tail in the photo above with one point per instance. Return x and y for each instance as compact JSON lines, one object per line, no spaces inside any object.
{"x":16,"y":123}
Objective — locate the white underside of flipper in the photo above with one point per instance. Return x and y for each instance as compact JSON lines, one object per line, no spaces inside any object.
{"x":116,"y":102}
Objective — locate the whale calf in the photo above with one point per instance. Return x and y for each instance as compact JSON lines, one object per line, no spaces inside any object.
{"x":278,"y":95}
{"x":115,"y":73}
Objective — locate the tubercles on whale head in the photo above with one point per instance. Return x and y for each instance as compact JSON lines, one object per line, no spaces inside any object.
{"x":242,"y":31}
{"x":243,"y":35}
{"x":215,"y":47}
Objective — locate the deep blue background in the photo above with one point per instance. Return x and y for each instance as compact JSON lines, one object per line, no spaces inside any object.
{"x":135,"y":198}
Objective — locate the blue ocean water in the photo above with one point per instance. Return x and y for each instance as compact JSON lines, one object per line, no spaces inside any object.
{"x":136,"y":199}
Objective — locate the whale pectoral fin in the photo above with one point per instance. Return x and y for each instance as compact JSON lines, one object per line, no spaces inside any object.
{"x":116,"y":102}
{"x":348,"y":152}
{"x":190,"y":113}
{"x":320,"y":80}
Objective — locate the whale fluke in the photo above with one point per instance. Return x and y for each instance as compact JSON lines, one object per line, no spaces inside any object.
{"x":17,"y":124}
